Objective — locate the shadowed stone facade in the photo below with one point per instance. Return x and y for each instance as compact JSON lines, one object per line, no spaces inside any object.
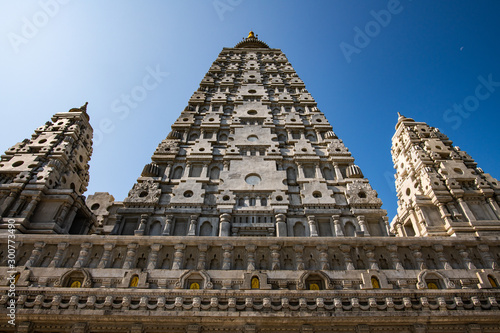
{"x":251,"y":217}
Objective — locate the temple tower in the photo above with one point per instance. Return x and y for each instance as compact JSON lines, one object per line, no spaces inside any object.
{"x":42,"y":179}
{"x":441,"y":190}
{"x":250,"y":155}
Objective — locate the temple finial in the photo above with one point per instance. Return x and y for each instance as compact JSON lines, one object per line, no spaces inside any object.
{"x":251,"y":34}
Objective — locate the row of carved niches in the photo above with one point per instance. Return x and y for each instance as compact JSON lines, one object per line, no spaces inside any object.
{"x":304,"y":280}
{"x":240,"y":253}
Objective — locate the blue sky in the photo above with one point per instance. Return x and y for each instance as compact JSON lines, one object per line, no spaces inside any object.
{"x":424,"y":58}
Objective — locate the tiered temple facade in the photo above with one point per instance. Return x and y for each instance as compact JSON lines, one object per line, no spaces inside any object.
{"x":251,"y":217}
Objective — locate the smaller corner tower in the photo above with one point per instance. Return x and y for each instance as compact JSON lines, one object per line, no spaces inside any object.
{"x":441,"y":190}
{"x":42,"y":179}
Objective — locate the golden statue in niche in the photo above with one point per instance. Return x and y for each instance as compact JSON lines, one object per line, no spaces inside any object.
{"x":75,"y":284}
{"x":375,"y":283}
{"x":255,"y":283}
{"x":313,"y":286}
{"x":134,"y":282}
{"x":194,"y":285}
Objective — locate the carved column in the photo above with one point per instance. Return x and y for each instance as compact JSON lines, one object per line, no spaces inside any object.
{"x":250,"y":257}
{"x":494,"y":206}
{"x":7,"y":202}
{"x":116,"y":227}
{"x":362,"y":225}
{"x":26,"y":213}
{"x":166,"y":174}
{"x":129,"y":259}
{"x":323,"y":257}
{"x":82,"y":257}
{"x":204,"y":171}
{"x":202,"y":256}
{"x":338,"y":173}
{"x":153,"y":256}
{"x":299,"y":257}
{"x":300,"y":170}
{"x":63,"y":213}
{"x":193,"y":220}
{"x":275,"y":256}
{"x":281,"y":225}
{"x":346,"y":252}
{"x":35,"y":254}
{"x":226,"y":256}
{"x":225,"y":225}
{"x":465,"y":208}
{"x":393,"y":252}
{"x":462,"y":250}
{"x":337,"y":226}
{"x":168,"y":225}
{"x":142,"y":225}
{"x":418,"y":256}
{"x":19,"y":202}
{"x":441,"y":257}
{"x":106,"y":255}
{"x":484,"y":251}
{"x":178,"y":256}
{"x":188,"y":170}
{"x":58,"y":256}
{"x":370,"y":255}
{"x":313,"y":230}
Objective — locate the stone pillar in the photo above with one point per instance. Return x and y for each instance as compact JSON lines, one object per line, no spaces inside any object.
{"x":275,"y":256}
{"x":441,"y":257}
{"x":129,"y":259}
{"x":188,"y":170}
{"x":299,"y":259}
{"x":313,"y":230}
{"x":226,"y":256}
{"x":35,"y":254}
{"x":465,"y":208}
{"x":300,"y":170}
{"x":168,"y":169}
{"x":399,"y":229}
{"x":225,"y":225}
{"x":386,"y":224}
{"x":418,"y":256}
{"x":202,"y":257}
{"x":7,"y":202}
{"x":250,"y":257}
{"x":362,"y":225}
{"x":337,"y":226}
{"x":281,"y":225}
{"x":338,"y":173}
{"x":19,"y":202}
{"x":153,"y":256}
{"x":116,"y":227}
{"x":62,"y":215}
{"x":168,"y":225}
{"x":323,"y":257}
{"x":106,"y":255}
{"x":484,"y":251}
{"x":462,"y":250}
{"x":370,"y":255}
{"x":58,"y":256}
{"x":83,"y":256}
{"x":204,"y":171}
{"x":26,"y":213}
{"x":346,"y":252}
{"x":178,"y":256}
{"x":494,"y":206}
{"x":318,"y":171}
{"x":393,"y":252}
{"x":142,"y":225}
{"x":193,"y":219}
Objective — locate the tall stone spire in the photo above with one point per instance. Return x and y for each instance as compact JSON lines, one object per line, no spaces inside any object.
{"x":42,"y":179}
{"x":441,"y":190}
{"x":251,"y":155}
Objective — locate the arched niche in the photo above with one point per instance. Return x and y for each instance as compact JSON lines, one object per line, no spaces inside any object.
{"x":187,"y":280}
{"x":429,"y":279}
{"x":75,"y":278}
{"x":314,"y":280}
